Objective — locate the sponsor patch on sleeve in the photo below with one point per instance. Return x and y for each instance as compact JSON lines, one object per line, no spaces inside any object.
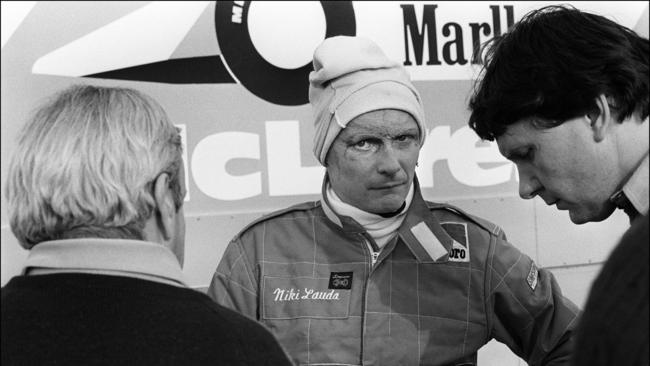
{"x":533,"y":274}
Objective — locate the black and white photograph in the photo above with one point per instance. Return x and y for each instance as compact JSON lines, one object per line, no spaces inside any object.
{"x":311,"y":183}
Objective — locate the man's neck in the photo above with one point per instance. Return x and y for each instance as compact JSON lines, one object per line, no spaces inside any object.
{"x":632,"y":144}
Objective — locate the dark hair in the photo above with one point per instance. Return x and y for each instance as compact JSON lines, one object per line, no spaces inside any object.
{"x":553,"y":64}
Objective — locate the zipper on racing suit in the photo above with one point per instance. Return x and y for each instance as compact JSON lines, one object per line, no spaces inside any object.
{"x":374,"y":251}
{"x":373,"y":248}
{"x":375,"y":255}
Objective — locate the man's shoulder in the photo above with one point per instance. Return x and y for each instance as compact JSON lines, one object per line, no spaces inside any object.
{"x":286,"y":216}
{"x":447,"y":213}
{"x":628,"y":260}
{"x":196,"y":309}
{"x":227,"y":326}
{"x":224,"y":317}
{"x":474,"y":233}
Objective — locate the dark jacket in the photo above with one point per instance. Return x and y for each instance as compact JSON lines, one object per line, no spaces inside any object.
{"x":614,"y":328}
{"x":87,"y":319}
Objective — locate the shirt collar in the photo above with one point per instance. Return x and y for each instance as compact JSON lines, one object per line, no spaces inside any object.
{"x":130,"y":258}
{"x":633,"y":197}
{"x":363,"y":217}
{"x":381,"y":229}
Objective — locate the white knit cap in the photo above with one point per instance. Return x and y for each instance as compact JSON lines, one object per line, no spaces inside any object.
{"x":352,"y":76}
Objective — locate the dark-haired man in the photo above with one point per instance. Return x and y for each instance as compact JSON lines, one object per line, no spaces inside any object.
{"x":565,"y":95}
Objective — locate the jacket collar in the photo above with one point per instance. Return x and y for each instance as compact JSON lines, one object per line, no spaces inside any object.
{"x":420,"y":230}
{"x":633,"y":197}
{"x":118,"y":257}
{"x":636,"y":188}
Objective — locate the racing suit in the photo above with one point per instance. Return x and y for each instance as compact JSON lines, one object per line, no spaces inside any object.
{"x":443,"y":287}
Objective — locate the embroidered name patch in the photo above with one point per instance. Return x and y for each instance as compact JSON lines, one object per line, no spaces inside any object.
{"x":532,"y":276}
{"x":340,"y":281}
{"x":303,"y":297}
{"x":291,"y":294}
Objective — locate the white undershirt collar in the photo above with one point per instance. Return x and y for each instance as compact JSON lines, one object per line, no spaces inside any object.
{"x":381,"y":229}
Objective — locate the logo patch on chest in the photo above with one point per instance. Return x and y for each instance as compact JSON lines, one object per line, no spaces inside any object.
{"x":458,"y":253}
{"x":340,"y":281}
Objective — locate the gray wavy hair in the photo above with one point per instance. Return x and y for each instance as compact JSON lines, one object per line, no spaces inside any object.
{"x":85,"y":163}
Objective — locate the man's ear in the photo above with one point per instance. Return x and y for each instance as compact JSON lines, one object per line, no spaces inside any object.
{"x":600,"y":119}
{"x":164,"y":206}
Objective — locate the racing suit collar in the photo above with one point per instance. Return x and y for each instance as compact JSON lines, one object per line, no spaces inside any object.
{"x":420,"y":231}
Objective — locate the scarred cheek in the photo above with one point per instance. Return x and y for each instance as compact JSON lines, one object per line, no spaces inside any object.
{"x":353,"y":155}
